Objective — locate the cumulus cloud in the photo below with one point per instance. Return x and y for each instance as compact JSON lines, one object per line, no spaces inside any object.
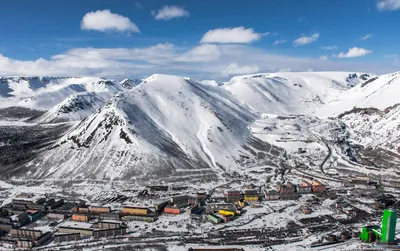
{"x":279,"y":42}
{"x":201,"y":53}
{"x":170,"y":12}
{"x":104,"y":20}
{"x":331,"y":47}
{"x":354,"y":52}
{"x":238,"y":35}
{"x":306,"y":40}
{"x":205,"y":61}
{"x":388,"y":5}
{"x":366,"y":37}
{"x":323,"y":58}
{"x":235,"y":69}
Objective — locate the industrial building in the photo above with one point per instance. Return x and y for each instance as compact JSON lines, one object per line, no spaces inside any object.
{"x":386,"y":233}
{"x":66,"y":237}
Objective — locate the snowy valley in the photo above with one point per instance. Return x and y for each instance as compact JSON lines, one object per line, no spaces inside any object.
{"x":134,"y":142}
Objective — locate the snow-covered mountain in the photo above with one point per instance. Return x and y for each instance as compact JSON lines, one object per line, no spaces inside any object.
{"x":173,"y":128}
{"x":129,"y":83}
{"x":43,"y":93}
{"x":291,"y":93}
{"x":75,"y":107}
{"x":167,"y":126}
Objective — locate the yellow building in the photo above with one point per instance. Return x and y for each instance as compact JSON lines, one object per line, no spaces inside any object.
{"x":226,"y":213}
{"x":251,"y":197}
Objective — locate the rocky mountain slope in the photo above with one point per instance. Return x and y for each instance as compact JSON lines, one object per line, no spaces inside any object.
{"x":170,"y":128}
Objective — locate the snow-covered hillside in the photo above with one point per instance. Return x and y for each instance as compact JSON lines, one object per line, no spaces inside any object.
{"x":292,"y":93}
{"x":378,"y":92}
{"x":167,"y":126}
{"x":173,"y":128}
{"x":45,"y":93}
{"x":75,"y":107}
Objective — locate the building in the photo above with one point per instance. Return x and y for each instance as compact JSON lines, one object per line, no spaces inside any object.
{"x":214,"y":219}
{"x":368,"y":233}
{"x":109,"y":224}
{"x":134,"y":211}
{"x":109,"y":216}
{"x":389,"y":226}
{"x":83,"y":210}
{"x":26,"y":233}
{"x":271,"y":195}
{"x":180,"y":199}
{"x":161,"y":205}
{"x":24,"y":195}
{"x":318,"y":187}
{"x":285,"y":189}
{"x":33,"y":242}
{"x":193,"y":201}
{"x":172,"y":210}
{"x":192,"y":209}
{"x":41,"y":207}
{"x":233,"y":196}
{"x":35,"y":216}
{"x":386,"y":234}
{"x":251,"y":195}
{"x":83,"y":228}
{"x":139,"y":218}
{"x":100,"y":233}
{"x":54,"y":205}
{"x":5,"y":227}
{"x":289,"y":196}
{"x":67,"y":237}
{"x":304,"y":187}
{"x":56,"y":216}
{"x":306,"y":210}
{"x":80,"y":217}
{"x":201,"y":196}
{"x":227,"y":212}
{"x":98,"y":210}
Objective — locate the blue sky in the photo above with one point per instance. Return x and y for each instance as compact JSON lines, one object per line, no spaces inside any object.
{"x":201,"y":39}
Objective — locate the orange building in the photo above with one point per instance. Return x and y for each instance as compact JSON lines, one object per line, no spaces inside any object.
{"x":172,"y":210}
{"x":135,"y":211}
{"x":80,"y":217}
{"x":98,"y":210}
{"x":318,"y":187}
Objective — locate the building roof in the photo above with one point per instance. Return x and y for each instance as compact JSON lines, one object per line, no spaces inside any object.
{"x":75,"y":224}
{"x":317,"y":183}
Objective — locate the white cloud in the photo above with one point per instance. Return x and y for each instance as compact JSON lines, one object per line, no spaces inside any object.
{"x":323,"y":58}
{"x":206,"y":61}
{"x":238,"y":35}
{"x":354,"y":52}
{"x":170,"y":12}
{"x":389,"y":5}
{"x":201,"y":53}
{"x":366,"y":37}
{"x":331,"y":47}
{"x":279,"y":42}
{"x":306,"y":40}
{"x":235,"y":69}
{"x":104,"y":20}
